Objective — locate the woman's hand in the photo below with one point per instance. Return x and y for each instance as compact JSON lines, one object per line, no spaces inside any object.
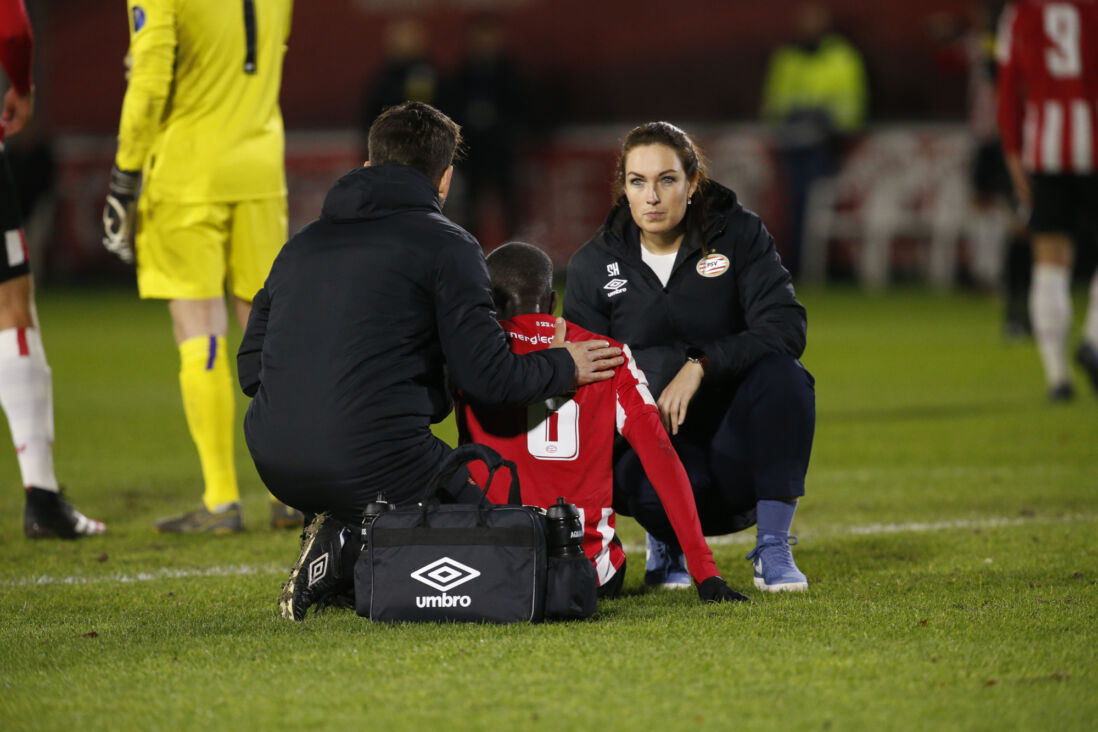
{"x":677,"y":395}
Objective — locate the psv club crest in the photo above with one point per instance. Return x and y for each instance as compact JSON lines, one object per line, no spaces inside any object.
{"x":713,"y":265}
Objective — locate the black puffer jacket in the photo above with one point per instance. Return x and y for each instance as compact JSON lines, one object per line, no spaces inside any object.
{"x":345,"y":348}
{"x":743,"y":311}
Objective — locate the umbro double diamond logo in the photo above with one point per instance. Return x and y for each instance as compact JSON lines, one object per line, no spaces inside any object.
{"x":445,"y":574}
{"x":318,"y":568}
{"x":615,"y":286}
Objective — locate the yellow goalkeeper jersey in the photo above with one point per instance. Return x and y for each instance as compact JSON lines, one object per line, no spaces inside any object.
{"x":201,"y":117}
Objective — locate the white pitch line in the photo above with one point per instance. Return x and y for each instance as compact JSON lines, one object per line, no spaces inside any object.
{"x":228,"y":571}
{"x":744,"y":537}
{"x":988,"y":523}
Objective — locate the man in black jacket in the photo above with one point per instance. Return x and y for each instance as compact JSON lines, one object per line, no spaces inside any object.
{"x":365,"y":314}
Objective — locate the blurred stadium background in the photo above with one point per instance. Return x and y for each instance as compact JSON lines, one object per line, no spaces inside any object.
{"x":589,"y":71}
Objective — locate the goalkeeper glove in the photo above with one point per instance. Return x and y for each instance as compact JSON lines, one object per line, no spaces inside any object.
{"x":715,"y":589}
{"x":118,"y":213}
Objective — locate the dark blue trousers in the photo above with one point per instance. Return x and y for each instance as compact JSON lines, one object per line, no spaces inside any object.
{"x":803,"y":166}
{"x":754,"y":447}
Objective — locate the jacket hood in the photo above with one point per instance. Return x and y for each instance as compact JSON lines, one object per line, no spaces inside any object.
{"x":373,"y":192}
{"x":719,"y":202}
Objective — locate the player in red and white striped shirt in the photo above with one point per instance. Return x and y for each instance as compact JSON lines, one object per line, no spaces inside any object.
{"x":1048,"y":118}
{"x":26,"y":391}
{"x":564,"y":447}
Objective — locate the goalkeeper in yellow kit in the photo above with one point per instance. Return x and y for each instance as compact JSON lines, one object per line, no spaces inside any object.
{"x":200,"y":152}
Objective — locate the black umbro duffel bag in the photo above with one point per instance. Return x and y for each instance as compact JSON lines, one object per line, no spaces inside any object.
{"x":459,"y":562}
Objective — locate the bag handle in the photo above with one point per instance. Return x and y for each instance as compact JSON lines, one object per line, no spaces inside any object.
{"x":469,"y":453}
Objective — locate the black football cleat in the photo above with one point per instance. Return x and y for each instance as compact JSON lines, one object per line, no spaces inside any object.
{"x":1061,"y":393}
{"x":317,"y":577}
{"x":49,"y":516}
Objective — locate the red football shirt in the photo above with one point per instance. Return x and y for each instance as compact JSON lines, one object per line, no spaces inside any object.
{"x":565,"y":447}
{"x":1048,"y":84}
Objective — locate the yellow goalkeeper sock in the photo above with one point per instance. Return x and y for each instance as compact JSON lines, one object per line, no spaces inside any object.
{"x":206,"y":384}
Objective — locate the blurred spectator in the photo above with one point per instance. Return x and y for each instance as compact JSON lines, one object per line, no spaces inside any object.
{"x":815,"y":94}
{"x":407,"y":74}
{"x":485,"y":97}
{"x":996,"y":233}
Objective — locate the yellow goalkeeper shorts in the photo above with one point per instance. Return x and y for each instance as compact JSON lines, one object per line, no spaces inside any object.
{"x":195,"y":251}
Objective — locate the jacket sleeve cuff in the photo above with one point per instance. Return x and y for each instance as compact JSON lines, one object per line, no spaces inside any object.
{"x":564,"y":369}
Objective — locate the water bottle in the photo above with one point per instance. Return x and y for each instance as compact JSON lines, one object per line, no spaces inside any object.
{"x":564,"y":537}
{"x":374,"y":509}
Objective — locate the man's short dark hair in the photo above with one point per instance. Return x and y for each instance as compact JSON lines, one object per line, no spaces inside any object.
{"x":417,"y":135}
{"x":521,"y":273}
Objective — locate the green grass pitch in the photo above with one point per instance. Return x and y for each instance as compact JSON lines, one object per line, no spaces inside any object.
{"x":948,"y":536}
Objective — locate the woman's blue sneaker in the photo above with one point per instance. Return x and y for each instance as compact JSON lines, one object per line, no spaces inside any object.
{"x":664,"y":566}
{"x":774,"y":567}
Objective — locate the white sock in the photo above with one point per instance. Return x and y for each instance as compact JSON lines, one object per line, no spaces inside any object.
{"x":1090,"y":326}
{"x":26,"y":393}
{"x":1050,"y":311}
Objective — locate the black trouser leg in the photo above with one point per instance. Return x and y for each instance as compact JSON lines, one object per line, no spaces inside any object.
{"x":1019,"y":266}
{"x":767,"y":432}
{"x":803,"y":167}
{"x":346,"y":499}
{"x":634,"y":494}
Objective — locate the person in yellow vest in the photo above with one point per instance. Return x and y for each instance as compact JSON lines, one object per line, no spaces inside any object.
{"x":815,"y":94}
{"x":200,"y":158}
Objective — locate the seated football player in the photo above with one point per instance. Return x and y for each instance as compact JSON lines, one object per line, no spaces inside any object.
{"x":564,"y":446}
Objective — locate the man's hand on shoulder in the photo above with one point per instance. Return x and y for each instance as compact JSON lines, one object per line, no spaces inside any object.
{"x":595,"y":360}
{"x":715,"y":589}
